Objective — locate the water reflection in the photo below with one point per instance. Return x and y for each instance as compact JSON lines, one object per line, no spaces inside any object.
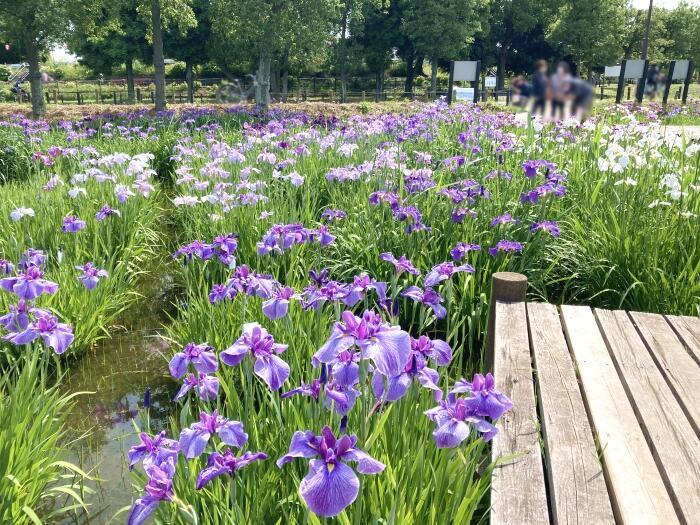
{"x":118,"y":372}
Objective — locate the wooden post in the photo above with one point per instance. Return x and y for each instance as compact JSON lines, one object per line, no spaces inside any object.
{"x":450,"y":82}
{"x":621,"y":83}
{"x":601,"y":92}
{"x":507,"y":287}
{"x":642,"y":82}
{"x":629,"y":91}
{"x":669,"y":79}
{"x":688,"y":78}
{"x":114,"y":97}
{"x":138,"y":95}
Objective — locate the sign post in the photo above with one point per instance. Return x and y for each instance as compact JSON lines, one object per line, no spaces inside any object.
{"x":632,"y":69}
{"x":679,"y":70}
{"x":464,"y":70}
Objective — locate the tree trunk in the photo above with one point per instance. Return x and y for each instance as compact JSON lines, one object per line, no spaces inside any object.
{"x":158,"y":57}
{"x":433,"y":76}
{"x":501,"y":73}
{"x":284,"y":77}
{"x":410,"y":71}
{"x":380,"y":83}
{"x":130,"y":93}
{"x":262,"y":89}
{"x":38,"y":104}
{"x":343,"y":53}
{"x":189,"y":77}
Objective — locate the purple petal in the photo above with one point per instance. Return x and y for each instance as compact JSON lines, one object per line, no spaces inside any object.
{"x":141,"y":510}
{"x":390,"y":351}
{"x":275,"y":308}
{"x":337,"y":342}
{"x":273,"y":370}
{"x":300,"y":447}
{"x":206,"y":363}
{"x":178,"y":365}
{"x":451,"y":433}
{"x":235,"y":353}
{"x":232,"y":433}
{"x":366,"y":464}
{"x":209,"y":473}
{"x":327,"y":490}
{"x":192,"y":442}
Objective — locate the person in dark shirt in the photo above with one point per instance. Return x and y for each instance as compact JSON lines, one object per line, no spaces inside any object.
{"x":540,"y":83}
{"x":522,"y":88}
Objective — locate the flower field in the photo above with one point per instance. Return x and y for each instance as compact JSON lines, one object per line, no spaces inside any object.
{"x":333,"y":279}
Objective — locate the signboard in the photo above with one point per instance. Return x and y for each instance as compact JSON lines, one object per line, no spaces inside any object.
{"x":466,"y":94}
{"x":680,"y":70}
{"x":465,"y":70}
{"x":635,"y":68}
{"x":612,"y":71}
{"x":468,"y":71}
{"x":490,"y":82}
{"x":632,"y":69}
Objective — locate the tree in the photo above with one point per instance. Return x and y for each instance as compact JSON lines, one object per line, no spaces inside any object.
{"x":168,"y":14}
{"x":37,"y":25}
{"x":440,"y":29}
{"x":591,"y":36}
{"x":191,"y":47}
{"x":118,"y":38}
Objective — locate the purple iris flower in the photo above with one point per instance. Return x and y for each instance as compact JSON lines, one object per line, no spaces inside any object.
{"x":194,"y":439}
{"x":201,"y":356}
{"x":361,"y":284}
{"x":56,"y":335}
{"x":340,"y":398}
{"x":312,"y":389}
{"x":485,"y":400}
{"x":91,"y":275}
{"x":331,"y":215}
{"x":224,"y":247}
{"x":32,"y":257}
{"x":29,"y":285}
{"x":422,"y":349}
{"x":458,"y":215}
{"x":505,"y":246}
{"x":320,"y":277}
{"x":402,"y":264}
{"x":207,"y":386}
{"x":427,"y":297}
{"x":105,"y":212}
{"x":153,"y":450}
{"x":550,"y":227}
{"x":72,"y":224}
{"x":454,"y":416}
{"x":443,"y":271}
{"x":278,"y":305}
{"x":247,"y":282}
{"x":226,"y":463}
{"x":506,"y":218}
{"x":159,"y":488}
{"x":261,"y":345}
{"x":330,"y":485}
{"x":387,"y":346}
{"x":17,"y":319}
{"x":6,"y":266}
{"x":461,"y":249}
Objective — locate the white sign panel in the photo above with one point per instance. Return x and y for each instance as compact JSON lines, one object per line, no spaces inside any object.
{"x":465,"y":70}
{"x":612,"y":71}
{"x":680,"y":70}
{"x":464,"y":94}
{"x":634,"y":68}
{"x":490,"y":82}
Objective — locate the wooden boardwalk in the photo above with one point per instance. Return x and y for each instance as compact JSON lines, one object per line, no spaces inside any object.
{"x":605,"y":426}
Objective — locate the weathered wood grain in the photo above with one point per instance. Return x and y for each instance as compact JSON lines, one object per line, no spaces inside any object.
{"x":577,"y":491}
{"x":681,"y":371}
{"x":518,"y":489}
{"x":638,"y":494}
{"x":688,"y":329}
{"x":671,"y":437}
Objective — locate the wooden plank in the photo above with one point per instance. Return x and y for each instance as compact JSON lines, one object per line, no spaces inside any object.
{"x":517,"y":487}
{"x":680,"y":370}
{"x":577,"y":491}
{"x":688,"y":328}
{"x":637,"y":492}
{"x":671,"y":437}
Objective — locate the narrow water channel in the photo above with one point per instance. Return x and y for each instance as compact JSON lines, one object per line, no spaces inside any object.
{"x":118,"y":372}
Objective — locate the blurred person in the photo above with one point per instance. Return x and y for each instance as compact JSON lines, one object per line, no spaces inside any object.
{"x":581,"y":94}
{"x":522,"y":88}
{"x":651,"y":86}
{"x":558,"y":89}
{"x":540,"y":87}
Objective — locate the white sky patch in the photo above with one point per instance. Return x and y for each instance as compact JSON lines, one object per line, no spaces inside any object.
{"x":668,"y":4}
